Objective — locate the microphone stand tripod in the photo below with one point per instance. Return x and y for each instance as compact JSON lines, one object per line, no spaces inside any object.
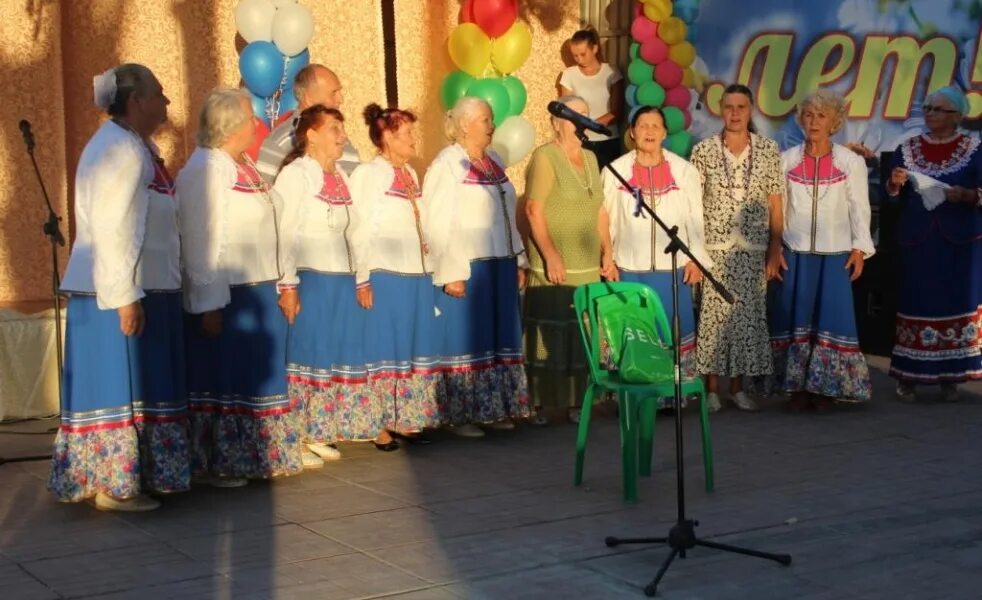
{"x":682,"y":536}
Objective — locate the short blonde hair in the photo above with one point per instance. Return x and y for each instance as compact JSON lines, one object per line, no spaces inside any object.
{"x":825,"y":101}
{"x":221,"y":115}
{"x":463,"y":110}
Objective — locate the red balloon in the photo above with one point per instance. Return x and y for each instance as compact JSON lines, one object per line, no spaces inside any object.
{"x":638,"y":9}
{"x":654,"y":51}
{"x":643,"y":29}
{"x":495,"y":17}
{"x":466,"y":12}
{"x":678,"y":97}
{"x":688,"y":118}
{"x":668,"y":74}
{"x":262,"y":130}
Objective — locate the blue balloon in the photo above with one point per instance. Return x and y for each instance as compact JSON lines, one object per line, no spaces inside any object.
{"x":288,"y":101}
{"x":261,"y":66}
{"x":259,"y":108}
{"x":631,"y":95}
{"x":687,"y":10}
{"x":630,"y":115}
{"x":294,"y":64}
{"x":692,"y":33}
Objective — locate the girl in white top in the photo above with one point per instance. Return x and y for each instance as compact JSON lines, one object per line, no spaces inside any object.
{"x":124,"y":353}
{"x":827,"y":239}
{"x":672,"y":187}
{"x":395,"y":284}
{"x":602,"y":86}
{"x":481,"y":266}
{"x":242,"y":427}
{"x":326,"y":369}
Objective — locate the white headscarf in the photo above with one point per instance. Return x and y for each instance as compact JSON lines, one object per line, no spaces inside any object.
{"x":104,"y":88}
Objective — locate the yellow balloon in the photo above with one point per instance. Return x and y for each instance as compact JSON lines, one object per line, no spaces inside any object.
{"x":470,"y":49}
{"x":974,"y":105}
{"x":683,"y":54}
{"x":688,"y":78}
{"x":658,"y":10}
{"x":672,"y":30}
{"x":510,"y":51}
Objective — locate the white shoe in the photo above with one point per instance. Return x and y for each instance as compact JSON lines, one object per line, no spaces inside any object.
{"x":949,"y":392}
{"x":906,"y":392}
{"x":325,"y":451}
{"x":139,"y":503}
{"x":506,"y":425}
{"x":713,"y":404}
{"x":227,"y":482}
{"x":309,"y":460}
{"x":467,"y":430}
{"x":745,"y":402}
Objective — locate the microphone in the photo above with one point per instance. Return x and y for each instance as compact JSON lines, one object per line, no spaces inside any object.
{"x":25,"y":130}
{"x":561,"y":111}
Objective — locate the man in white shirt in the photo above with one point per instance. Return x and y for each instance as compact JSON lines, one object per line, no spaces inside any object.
{"x":314,"y":84}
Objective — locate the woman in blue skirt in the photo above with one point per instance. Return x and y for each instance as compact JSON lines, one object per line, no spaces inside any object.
{"x":471,"y":210}
{"x":826,"y":241}
{"x":124,"y":405}
{"x":326,"y":369}
{"x":242,"y":426}
{"x":672,"y":187}
{"x":394,"y":281}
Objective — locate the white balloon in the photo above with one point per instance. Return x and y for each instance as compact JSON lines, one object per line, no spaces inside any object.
{"x":282,"y":3}
{"x":254,"y":20}
{"x":293,"y":26}
{"x":513,"y":140}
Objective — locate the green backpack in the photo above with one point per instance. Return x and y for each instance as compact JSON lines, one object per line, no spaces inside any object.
{"x":629,"y":343}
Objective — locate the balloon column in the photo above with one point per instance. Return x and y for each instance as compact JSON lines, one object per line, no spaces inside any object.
{"x":660,"y":71}
{"x":277,"y":33}
{"x":488,"y":45}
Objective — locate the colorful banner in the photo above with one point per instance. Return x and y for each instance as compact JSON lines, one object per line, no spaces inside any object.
{"x":883,"y":55}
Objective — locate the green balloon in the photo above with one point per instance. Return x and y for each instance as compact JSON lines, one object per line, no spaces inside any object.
{"x":640,"y":72}
{"x":454,"y":87}
{"x":517,"y":95}
{"x":651,"y":93}
{"x":674,"y":119}
{"x":635,"y":49}
{"x":680,"y":143}
{"x":492,"y":91}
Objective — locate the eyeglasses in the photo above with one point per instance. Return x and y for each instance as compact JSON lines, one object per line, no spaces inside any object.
{"x":929,"y":108}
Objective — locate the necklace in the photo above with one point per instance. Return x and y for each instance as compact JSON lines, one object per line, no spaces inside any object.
{"x":159,"y":168}
{"x":730,"y":174}
{"x":587,"y":182}
{"x":486,"y":167}
{"x":412,"y":193}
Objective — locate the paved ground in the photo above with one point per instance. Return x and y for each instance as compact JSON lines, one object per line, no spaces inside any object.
{"x":881,"y":501}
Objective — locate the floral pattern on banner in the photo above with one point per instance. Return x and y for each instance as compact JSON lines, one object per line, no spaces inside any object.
{"x":164,"y":455}
{"x":100,"y":461}
{"x":408,"y":402}
{"x":484,"y":394}
{"x":245,"y":445}
{"x":332,"y":411}
{"x":820,"y":369}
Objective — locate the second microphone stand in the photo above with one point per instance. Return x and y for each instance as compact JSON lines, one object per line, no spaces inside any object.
{"x":682,"y":536}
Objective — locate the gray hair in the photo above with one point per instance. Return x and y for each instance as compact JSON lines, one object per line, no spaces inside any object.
{"x":825,"y":101}
{"x":567,"y":100}
{"x":132,"y":79}
{"x":221,"y":116}
{"x":463,"y":110}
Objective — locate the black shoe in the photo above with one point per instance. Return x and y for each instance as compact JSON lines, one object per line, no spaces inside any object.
{"x":390,"y":446}
{"x":416,"y":439}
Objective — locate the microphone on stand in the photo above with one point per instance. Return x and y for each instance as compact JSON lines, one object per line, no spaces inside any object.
{"x":561,"y":111}
{"x":25,"y":130}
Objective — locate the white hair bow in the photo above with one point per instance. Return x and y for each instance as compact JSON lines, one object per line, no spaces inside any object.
{"x":104,"y":88}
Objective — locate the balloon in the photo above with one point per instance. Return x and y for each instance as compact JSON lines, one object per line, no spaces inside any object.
{"x":293,"y":27}
{"x":668,"y":74}
{"x":683,"y":54}
{"x":674,"y":119}
{"x":254,"y":20}
{"x":470,"y":49}
{"x":259,"y":108}
{"x":688,"y":118}
{"x":495,"y":17}
{"x":282,"y":3}
{"x":631,"y":95}
{"x":680,"y":143}
{"x":688,"y":78}
{"x":494,"y":93}
{"x":466,"y":14}
{"x":639,"y":72}
{"x":634,"y":49}
{"x":453,"y":88}
{"x":693,"y":33}
{"x":517,"y":95}
{"x":513,"y":140}
{"x":679,"y":97}
{"x":261,"y":65}
{"x":687,"y":10}
{"x":293,"y":64}
{"x":643,"y":29}
{"x":654,"y":51}
{"x":651,"y":94}
{"x":672,"y":30}
{"x":511,"y":50}
{"x":658,"y":10}
{"x":288,"y":101}
{"x":262,"y":130}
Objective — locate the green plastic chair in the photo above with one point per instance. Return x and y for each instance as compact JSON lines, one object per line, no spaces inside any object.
{"x":637,"y":410}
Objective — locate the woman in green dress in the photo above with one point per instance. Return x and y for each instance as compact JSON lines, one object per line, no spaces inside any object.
{"x":564,"y":206}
